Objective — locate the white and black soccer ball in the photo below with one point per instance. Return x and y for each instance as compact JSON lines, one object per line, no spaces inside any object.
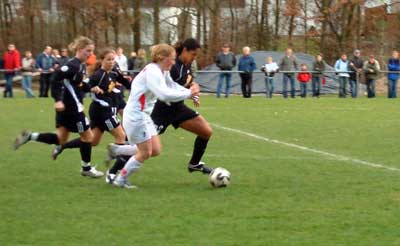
{"x":220,"y":177}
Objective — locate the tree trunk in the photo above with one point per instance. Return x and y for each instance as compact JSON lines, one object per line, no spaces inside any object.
{"x":205,"y":32}
{"x":277,"y":22}
{"x":156,"y":18}
{"x":136,"y":25}
{"x":215,"y":27}
{"x":306,"y":26}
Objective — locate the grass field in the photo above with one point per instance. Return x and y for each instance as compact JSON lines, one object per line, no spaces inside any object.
{"x":279,"y":195}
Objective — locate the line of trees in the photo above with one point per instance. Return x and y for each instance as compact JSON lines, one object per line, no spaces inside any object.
{"x":327,"y":26}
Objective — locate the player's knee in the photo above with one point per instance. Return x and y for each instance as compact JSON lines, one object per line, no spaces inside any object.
{"x":156,"y":152}
{"x":207,"y":132}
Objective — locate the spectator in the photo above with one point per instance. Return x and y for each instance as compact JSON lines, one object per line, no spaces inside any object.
{"x":270,"y":68}
{"x":28,"y":65}
{"x":121,"y":60}
{"x":131,"y":61}
{"x":45,"y":64}
{"x":356,"y":67}
{"x":225,"y":60}
{"x":342,"y":70}
{"x":371,"y":69}
{"x":63,"y":57}
{"x":317,"y":75}
{"x":12,"y":63}
{"x":288,"y":63}
{"x":141,"y":60}
{"x":91,"y":64}
{"x":303,"y":77}
{"x":393,"y":65}
{"x":246,"y":65}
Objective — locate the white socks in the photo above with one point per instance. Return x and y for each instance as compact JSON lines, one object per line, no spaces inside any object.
{"x":130,"y":167}
{"x":34,"y":136}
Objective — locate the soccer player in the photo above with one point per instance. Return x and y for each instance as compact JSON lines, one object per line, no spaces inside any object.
{"x":177,"y":113}
{"x":103,"y":109}
{"x":67,"y":86}
{"x":180,"y":115}
{"x":152,"y":83}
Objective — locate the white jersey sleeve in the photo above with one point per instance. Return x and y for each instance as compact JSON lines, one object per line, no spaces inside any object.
{"x":158,"y":86}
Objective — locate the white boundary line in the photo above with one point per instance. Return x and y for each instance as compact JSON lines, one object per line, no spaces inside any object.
{"x":316,"y":151}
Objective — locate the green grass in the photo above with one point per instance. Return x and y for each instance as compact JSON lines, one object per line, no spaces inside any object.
{"x":278,"y":195}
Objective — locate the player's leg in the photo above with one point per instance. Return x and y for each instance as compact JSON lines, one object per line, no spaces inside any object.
{"x":85,"y":148}
{"x":26,"y":136}
{"x":199,"y":126}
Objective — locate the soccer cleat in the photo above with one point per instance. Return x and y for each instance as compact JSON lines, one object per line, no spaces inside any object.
{"x":93,"y":173}
{"x":123,"y":183}
{"x":56,"y":151}
{"x":21,"y":139}
{"x":110,"y":154}
{"x":201,"y":167}
{"x":110,"y":177}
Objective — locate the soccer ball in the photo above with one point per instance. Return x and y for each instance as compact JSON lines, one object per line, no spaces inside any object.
{"x":220,"y":177}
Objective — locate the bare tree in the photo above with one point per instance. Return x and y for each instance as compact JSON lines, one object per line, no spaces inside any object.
{"x":156,"y":19}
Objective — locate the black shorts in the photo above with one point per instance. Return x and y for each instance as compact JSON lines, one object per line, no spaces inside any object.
{"x":73,"y":121}
{"x":120,"y":101}
{"x":104,"y":118}
{"x":164,"y":115}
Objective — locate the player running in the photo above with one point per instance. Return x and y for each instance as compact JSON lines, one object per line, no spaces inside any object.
{"x":152,"y":83}
{"x":68,"y":86}
{"x":103,"y":109}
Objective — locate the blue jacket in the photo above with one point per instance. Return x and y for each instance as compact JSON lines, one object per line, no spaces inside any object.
{"x":45,"y":62}
{"x":393,"y":65}
{"x":247,"y":64}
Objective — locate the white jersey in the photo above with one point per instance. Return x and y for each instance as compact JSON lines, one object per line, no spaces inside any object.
{"x":148,"y":86}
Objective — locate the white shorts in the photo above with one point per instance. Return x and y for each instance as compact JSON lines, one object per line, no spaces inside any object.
{"x":139,"y":129}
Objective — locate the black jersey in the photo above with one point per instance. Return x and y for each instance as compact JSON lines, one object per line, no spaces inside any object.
{"x":68,"y":84}
{"x":181,"y":73}
{"x":107,"y":81}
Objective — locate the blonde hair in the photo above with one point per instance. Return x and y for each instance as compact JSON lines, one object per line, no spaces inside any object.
{"x":160,"y":51}
{"x":80,"y":43}
{"x":141,"y":53}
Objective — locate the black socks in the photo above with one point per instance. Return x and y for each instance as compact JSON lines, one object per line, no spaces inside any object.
{"x":200,"y":146}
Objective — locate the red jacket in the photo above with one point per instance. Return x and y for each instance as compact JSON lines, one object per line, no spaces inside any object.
{"x":12,"y":60}
{"x":304,"y":77}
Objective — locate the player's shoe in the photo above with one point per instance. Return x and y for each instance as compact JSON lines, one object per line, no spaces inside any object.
{"x":110,"y":177}
{"x":93,"y":173}
{"x":56,"y":151}
{"x":123,"y":183}
{"x":21,"y":139}
{"x":201,"y":167}
{"x":110,"y":154}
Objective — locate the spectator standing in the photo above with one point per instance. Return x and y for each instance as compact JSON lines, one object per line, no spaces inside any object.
{"x":342,"y":70}
{"x":356,"y":68}
{"x":45,"y":64}
{"x":141,"y":60}
{"x":317,"y":75}
{"x":131,"y":61}
{"x":303,"y":77}
{"x":12,"y":63}
{"x":63,"y":59}
{"x":121,"y":59}
{"x":225,"y":61}
{"x":371,"y":69}
{"x":287,"y":64}
{"x":269,"y":68}
{"x":28,"y":65}
{"x":393,"y":65}
{"x":246,"y":65}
